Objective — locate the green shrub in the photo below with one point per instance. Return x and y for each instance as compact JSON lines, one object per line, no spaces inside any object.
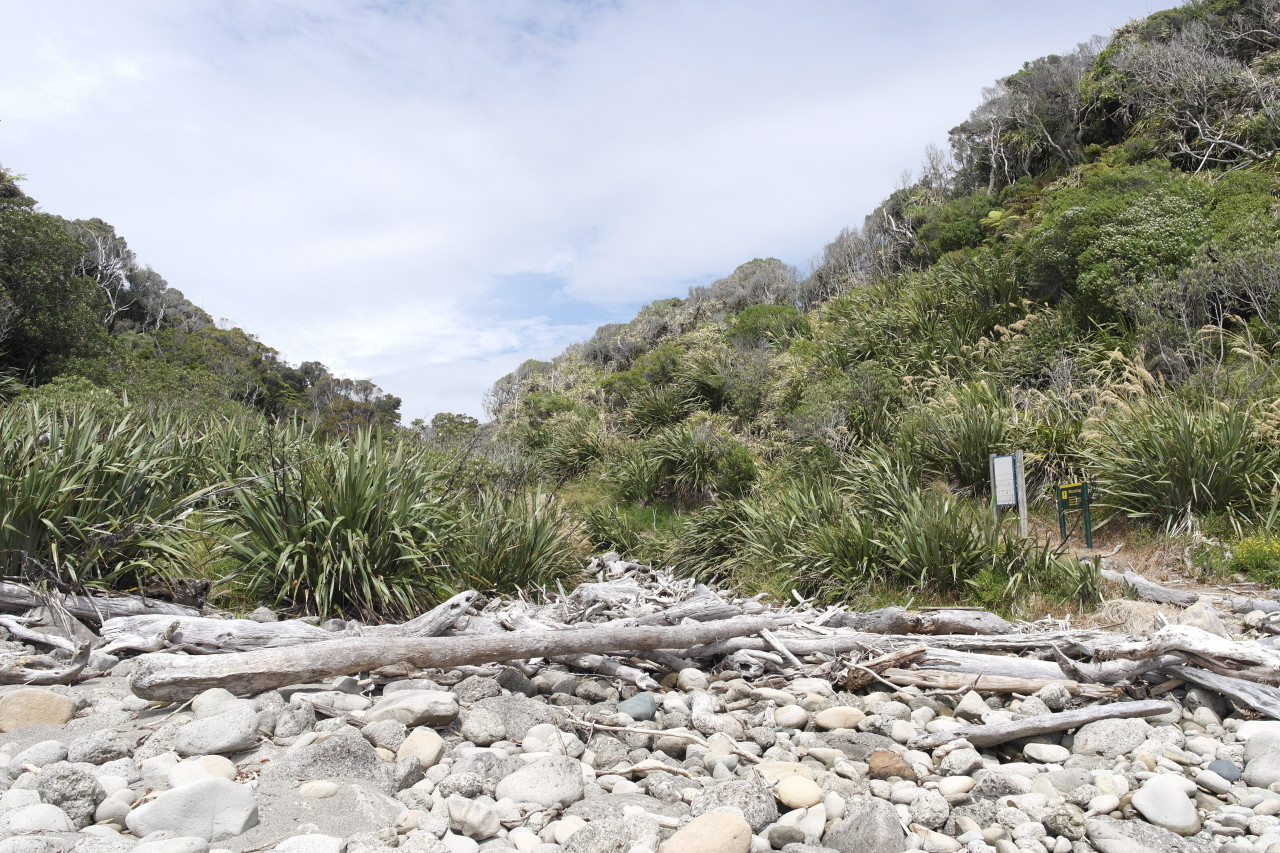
{"x":1258,"y":556}
{"x":760,"y":324}
{"x":1174,"y":462}
{"x":356,"y":529}
{"x":505,"y":543}
{"x":697,"y":461}
{"x":84,"y":493}
{"x":953,"y":434}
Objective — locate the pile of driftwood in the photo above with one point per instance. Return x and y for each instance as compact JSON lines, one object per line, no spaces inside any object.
{"x":635,"y":624}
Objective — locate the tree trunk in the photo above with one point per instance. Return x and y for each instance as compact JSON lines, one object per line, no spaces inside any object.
{"x":175,"y":678}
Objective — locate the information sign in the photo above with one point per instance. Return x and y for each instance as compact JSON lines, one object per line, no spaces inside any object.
{"x":1004,"y":481}
{"x":1074,"y":497}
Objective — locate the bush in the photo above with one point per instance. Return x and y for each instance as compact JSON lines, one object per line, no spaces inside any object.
{"x":1173,"y":462}
{"x":760,"y":324}
{"x":1258,"y":556}
{"x":356,"y":529}
{"x":953,"y":434}
{"x":508,"y":543}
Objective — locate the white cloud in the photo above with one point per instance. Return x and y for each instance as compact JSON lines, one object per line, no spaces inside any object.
{"x":355,"y":182}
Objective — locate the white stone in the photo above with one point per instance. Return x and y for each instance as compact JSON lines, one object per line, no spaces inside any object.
{"x":214,"y":809}
{"x":312,"y":842}
{"x":1163,"y":801}
{"x":1046,"y":753}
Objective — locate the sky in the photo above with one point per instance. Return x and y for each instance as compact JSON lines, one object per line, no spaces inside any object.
{"x":429,"y":193}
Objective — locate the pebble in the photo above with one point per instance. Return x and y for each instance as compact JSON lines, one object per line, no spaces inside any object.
{"x":1046,"y":753}
{"x":642,"y":707}
{"x":1163,"y":801}
{"x":839,"y":717}
{"x":715,"y":832}
{"x":318,"y":789}
{"x":34,"y":706}
{"x":798,"y":792}
{"x":214,"y":809}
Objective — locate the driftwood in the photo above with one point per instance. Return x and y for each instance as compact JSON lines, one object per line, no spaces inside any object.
{"x":1260,"y":697}
{"x":43,"y":669}
{"x":176,"y":678}
{"x":18,"y":598}
{"x":1044,"y":724}
{"x":899,"y":620}
{"x":1249,"y":661}
{"x":589,"y":662}
{"x":202,"y":635}
{"x":16,"y":627}
{"x":839,"y":643}
{"x":1150,"y":590}
{"x":955,"y":682}
{"x":1248,"y":605}
{"x":862,"y":673}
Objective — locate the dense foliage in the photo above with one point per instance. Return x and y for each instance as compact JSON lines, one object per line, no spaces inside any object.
{"x":1091,"y":274}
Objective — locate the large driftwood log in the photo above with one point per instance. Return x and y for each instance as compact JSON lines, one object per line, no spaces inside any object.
{"x":43,"y":669}
{"x":177,"y":678}
{"x":937,"y":679}
{"x":1150,"y":590}
{"x":520,"y":621}
{"x":900,"y":620}
{"x":1249,"y":661}
{"x":15,"y":597}
{"x":1044,"y":724}
{"x":1260,"y":697}
{"x":203,"y":635}
{"x":839,"y":643}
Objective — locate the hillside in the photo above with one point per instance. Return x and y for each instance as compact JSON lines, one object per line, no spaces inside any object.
{"x":1091,"y":275}
{"x":81,"y":316}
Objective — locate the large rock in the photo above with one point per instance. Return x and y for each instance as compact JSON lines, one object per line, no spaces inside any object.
{"x":615,"y":835}
{"x":424,"y":745}
{"x":343,"y":756}
{"x":416,"y":708}
{"x":1262,"y":758}
{"x":212,"y":809}
{"x":1111,"y":738}
{"x":34,"y":706}
{"x":716,"y":832}
{"x":73,"y":789}
{"x":518,"y":712}
{"x":754,"y":801}
{"x":872,"y":827}
{"x":39,"y":817}
{"x":549,"y":782}
{"x":233,"y":729}
{"x":1134,"y":836}
{"x":1163,"y":801}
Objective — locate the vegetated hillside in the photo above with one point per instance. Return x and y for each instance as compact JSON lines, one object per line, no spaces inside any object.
{"x":81,"y":318}
{"x":1091,"y":274}
{"x":140,"y":444}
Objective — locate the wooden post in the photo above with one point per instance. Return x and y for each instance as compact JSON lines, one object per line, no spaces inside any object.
{"x":1020,"y":486}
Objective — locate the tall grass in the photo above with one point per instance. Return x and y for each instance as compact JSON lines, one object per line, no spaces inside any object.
{"x":505,"y":542}
{"x":1172,"y":462}
{"x":356,"y":528}
{"x":83,"y":496}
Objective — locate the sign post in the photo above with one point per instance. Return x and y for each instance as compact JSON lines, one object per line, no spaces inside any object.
{"x":1008,"y":487}
{"x":1074,"y":497}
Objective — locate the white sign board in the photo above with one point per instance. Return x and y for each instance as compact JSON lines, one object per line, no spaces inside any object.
{"x":1004,"y":481}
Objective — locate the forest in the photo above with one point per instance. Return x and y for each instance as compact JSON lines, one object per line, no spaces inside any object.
{"x":1091,"y":274}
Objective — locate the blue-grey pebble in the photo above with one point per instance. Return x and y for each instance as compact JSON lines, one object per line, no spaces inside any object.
{"x":639,"y":707}
{"x":1226,"y":769}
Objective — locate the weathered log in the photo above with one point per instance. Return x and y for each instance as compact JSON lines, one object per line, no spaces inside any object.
{"x":43,"y":669}
{"x":839,"y":643}
{"x":21,"y":632}
{"x":1150,"y":590}
{"x":700,"y":608}
{"x":177,"y":678}
{"x":15,"y":597}
{"x":862,"y":673}
{"x":1107,"y":672}
{"x":1260,"y":697}
{"x":1249,"y":661}
{"x":900,"y":620}
{"x":203,"y":635}
{"x":998,"y":733}
{"x":1248,"y":605}
{"x":936,"y":679}
{"x":591,"y":663}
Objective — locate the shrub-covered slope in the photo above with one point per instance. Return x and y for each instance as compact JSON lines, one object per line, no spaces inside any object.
{"x":1091,"y":274}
